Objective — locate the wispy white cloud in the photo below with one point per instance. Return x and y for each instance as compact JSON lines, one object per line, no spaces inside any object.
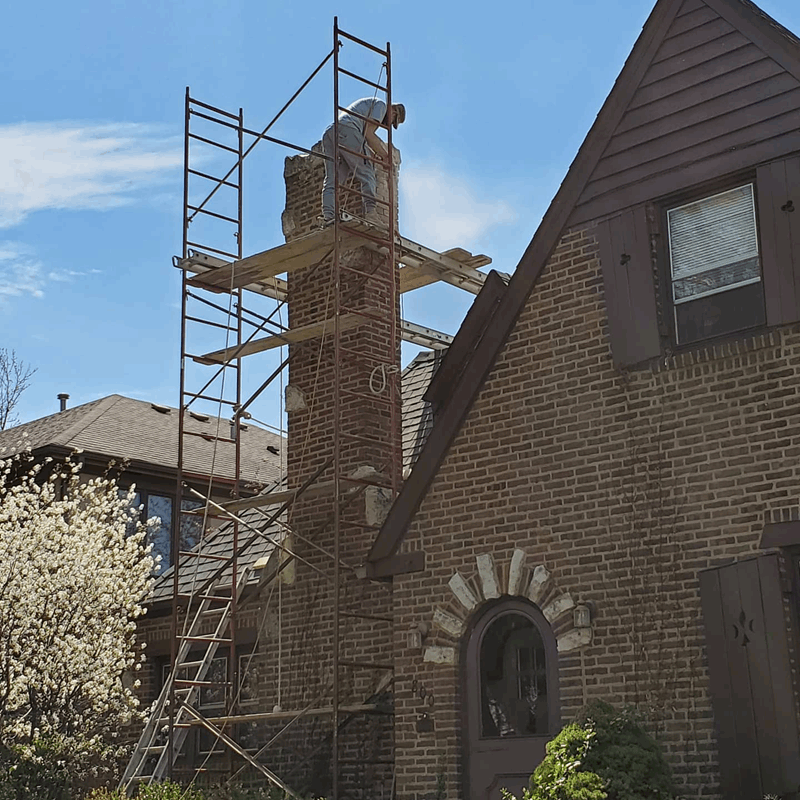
{"x":20,"y":271}
{"x":443,"y":210}
{"x":67,"y":165}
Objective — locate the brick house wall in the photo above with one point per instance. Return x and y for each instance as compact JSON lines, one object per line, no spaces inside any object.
{"x":624,"y":485}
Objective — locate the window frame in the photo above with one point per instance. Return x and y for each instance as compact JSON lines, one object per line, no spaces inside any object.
{"x":144,"y":492}
{"x":666,"y":311}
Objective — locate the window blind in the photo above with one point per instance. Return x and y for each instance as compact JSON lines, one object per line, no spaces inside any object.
{"x":713,"y":244}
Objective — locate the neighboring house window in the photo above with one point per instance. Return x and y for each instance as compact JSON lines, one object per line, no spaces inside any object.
{"x":715,"y":266}
{"x":160,"y":537}
{"x":211,"y":700}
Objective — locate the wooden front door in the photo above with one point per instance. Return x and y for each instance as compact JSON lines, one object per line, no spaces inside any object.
{"x":510,"y":674}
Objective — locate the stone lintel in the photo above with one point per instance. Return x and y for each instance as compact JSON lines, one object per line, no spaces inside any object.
{"x":515,"y":571}
{"x":539,"y":583}
{"x":440,"y":655}
{"x":462,"y":592}
{"x":573,"y":639}
{"x":448,"y":623}
{"x":488,"y":576}
{"x":557,"y":606}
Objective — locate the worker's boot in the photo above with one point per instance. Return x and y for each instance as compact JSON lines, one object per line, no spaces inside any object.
{"x":374,"y":217}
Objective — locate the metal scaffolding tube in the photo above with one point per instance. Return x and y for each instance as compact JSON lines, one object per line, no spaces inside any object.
{"x":231,"y":395}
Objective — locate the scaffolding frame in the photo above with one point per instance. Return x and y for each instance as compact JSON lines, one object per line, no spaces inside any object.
{"x":210,"y":269}
{"x":230,"y":358}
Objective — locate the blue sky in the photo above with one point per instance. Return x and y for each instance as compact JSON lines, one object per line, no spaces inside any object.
{"x":499,"y":98}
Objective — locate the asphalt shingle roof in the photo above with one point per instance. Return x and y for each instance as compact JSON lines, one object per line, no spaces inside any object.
{"x":142,"y":432}
{"x":416,"y":415}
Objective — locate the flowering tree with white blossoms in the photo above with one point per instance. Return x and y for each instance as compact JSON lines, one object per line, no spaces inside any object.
{"x":74,"y":573}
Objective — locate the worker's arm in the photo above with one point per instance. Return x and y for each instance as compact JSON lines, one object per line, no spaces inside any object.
{"x":378,"y":146}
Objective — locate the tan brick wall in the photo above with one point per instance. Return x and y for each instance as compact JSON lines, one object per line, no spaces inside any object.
{"x":625,"y":485}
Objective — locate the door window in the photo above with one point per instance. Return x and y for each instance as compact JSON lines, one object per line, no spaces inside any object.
{"x":513,"y":678}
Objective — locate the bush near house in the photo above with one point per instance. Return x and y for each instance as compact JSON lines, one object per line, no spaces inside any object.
{"x":604,"y":755}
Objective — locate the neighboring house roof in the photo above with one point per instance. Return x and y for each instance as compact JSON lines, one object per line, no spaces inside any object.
{"x":146,"y":435}
{"x":257,"y":543}
{"x":417,"y":414}
{"x":417,"y":420}
{"x":771,"y":37}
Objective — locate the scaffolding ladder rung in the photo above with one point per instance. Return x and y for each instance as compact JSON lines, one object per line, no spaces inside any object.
{"x":209,"y":438}
{"x":363,"y":439}
{"x":190,"y":664}
{"x":367,"y":482}
{"x":210,"y":597}
{"x":209,"y":398}
{"x":373,"y":398}
{"x":223,"y":217}
{"x":363,"y":80}
{"x":355,"y":39}
{"x":366,"y":616}
{"x":227,"y":253}
{"x":366,"y":314}
{"x":188,"y":682}
{"x":370,"y":276}
{"x":208,"y":177}
{"x":211,"y":323}
{"x":195,"y":102}
{"x":209,"y":639}
{"x":212,"y":142}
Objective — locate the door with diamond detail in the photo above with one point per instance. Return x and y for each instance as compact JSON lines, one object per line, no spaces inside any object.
{"x":747,"y":643}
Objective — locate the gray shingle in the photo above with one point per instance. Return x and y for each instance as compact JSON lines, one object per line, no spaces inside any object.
{"x":417,"y":416}
{"x":123,"y":428}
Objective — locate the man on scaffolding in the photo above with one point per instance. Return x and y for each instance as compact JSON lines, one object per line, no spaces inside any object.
{"x":357,"y":134}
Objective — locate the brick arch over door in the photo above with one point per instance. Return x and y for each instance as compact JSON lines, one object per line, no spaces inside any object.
{"x":489,"y":580}
{"x":509,"y":682}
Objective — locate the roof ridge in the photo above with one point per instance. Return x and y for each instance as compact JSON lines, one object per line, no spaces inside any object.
{"x":83,"y":422}
{"x":758,"y":25}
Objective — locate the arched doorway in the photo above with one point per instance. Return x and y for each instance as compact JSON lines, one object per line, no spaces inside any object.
{"x":510,"y":684}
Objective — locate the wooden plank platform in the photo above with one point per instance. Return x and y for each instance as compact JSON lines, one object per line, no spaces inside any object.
{"x":420,"y":265}
{"x":293,"y":336}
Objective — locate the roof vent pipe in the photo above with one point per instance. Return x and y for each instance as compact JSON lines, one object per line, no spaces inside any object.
{"x":63,"y":397}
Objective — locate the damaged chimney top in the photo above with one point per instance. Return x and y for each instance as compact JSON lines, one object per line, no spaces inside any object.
{"x":63,"y":397}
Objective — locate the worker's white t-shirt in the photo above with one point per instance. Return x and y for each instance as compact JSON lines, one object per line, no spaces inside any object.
{"x":368,"y":107}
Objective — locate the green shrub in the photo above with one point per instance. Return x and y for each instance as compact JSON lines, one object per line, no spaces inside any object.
{"x":169,"y":791}
{"x":605,"y":755}
{"x":625,"y":756}
{"x":34,"y":772}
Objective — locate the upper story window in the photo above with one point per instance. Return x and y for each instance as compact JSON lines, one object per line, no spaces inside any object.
{"x":161,"y":507}
{"x":715,"y":266}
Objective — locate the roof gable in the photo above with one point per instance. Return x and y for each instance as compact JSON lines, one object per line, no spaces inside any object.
{"x":721,"y":90}
{"x":742,"y":15}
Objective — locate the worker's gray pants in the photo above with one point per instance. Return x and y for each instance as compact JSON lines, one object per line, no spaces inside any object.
{"x":348,"y":165}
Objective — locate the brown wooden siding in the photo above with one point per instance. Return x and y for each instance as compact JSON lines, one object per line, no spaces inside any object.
{"x":710,"y":93}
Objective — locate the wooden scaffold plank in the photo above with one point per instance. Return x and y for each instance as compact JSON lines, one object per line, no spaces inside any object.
{"x":292,"y":336}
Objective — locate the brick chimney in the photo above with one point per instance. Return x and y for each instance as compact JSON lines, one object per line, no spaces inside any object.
{"x":308,"y":600}
{"x":311,"y":369}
